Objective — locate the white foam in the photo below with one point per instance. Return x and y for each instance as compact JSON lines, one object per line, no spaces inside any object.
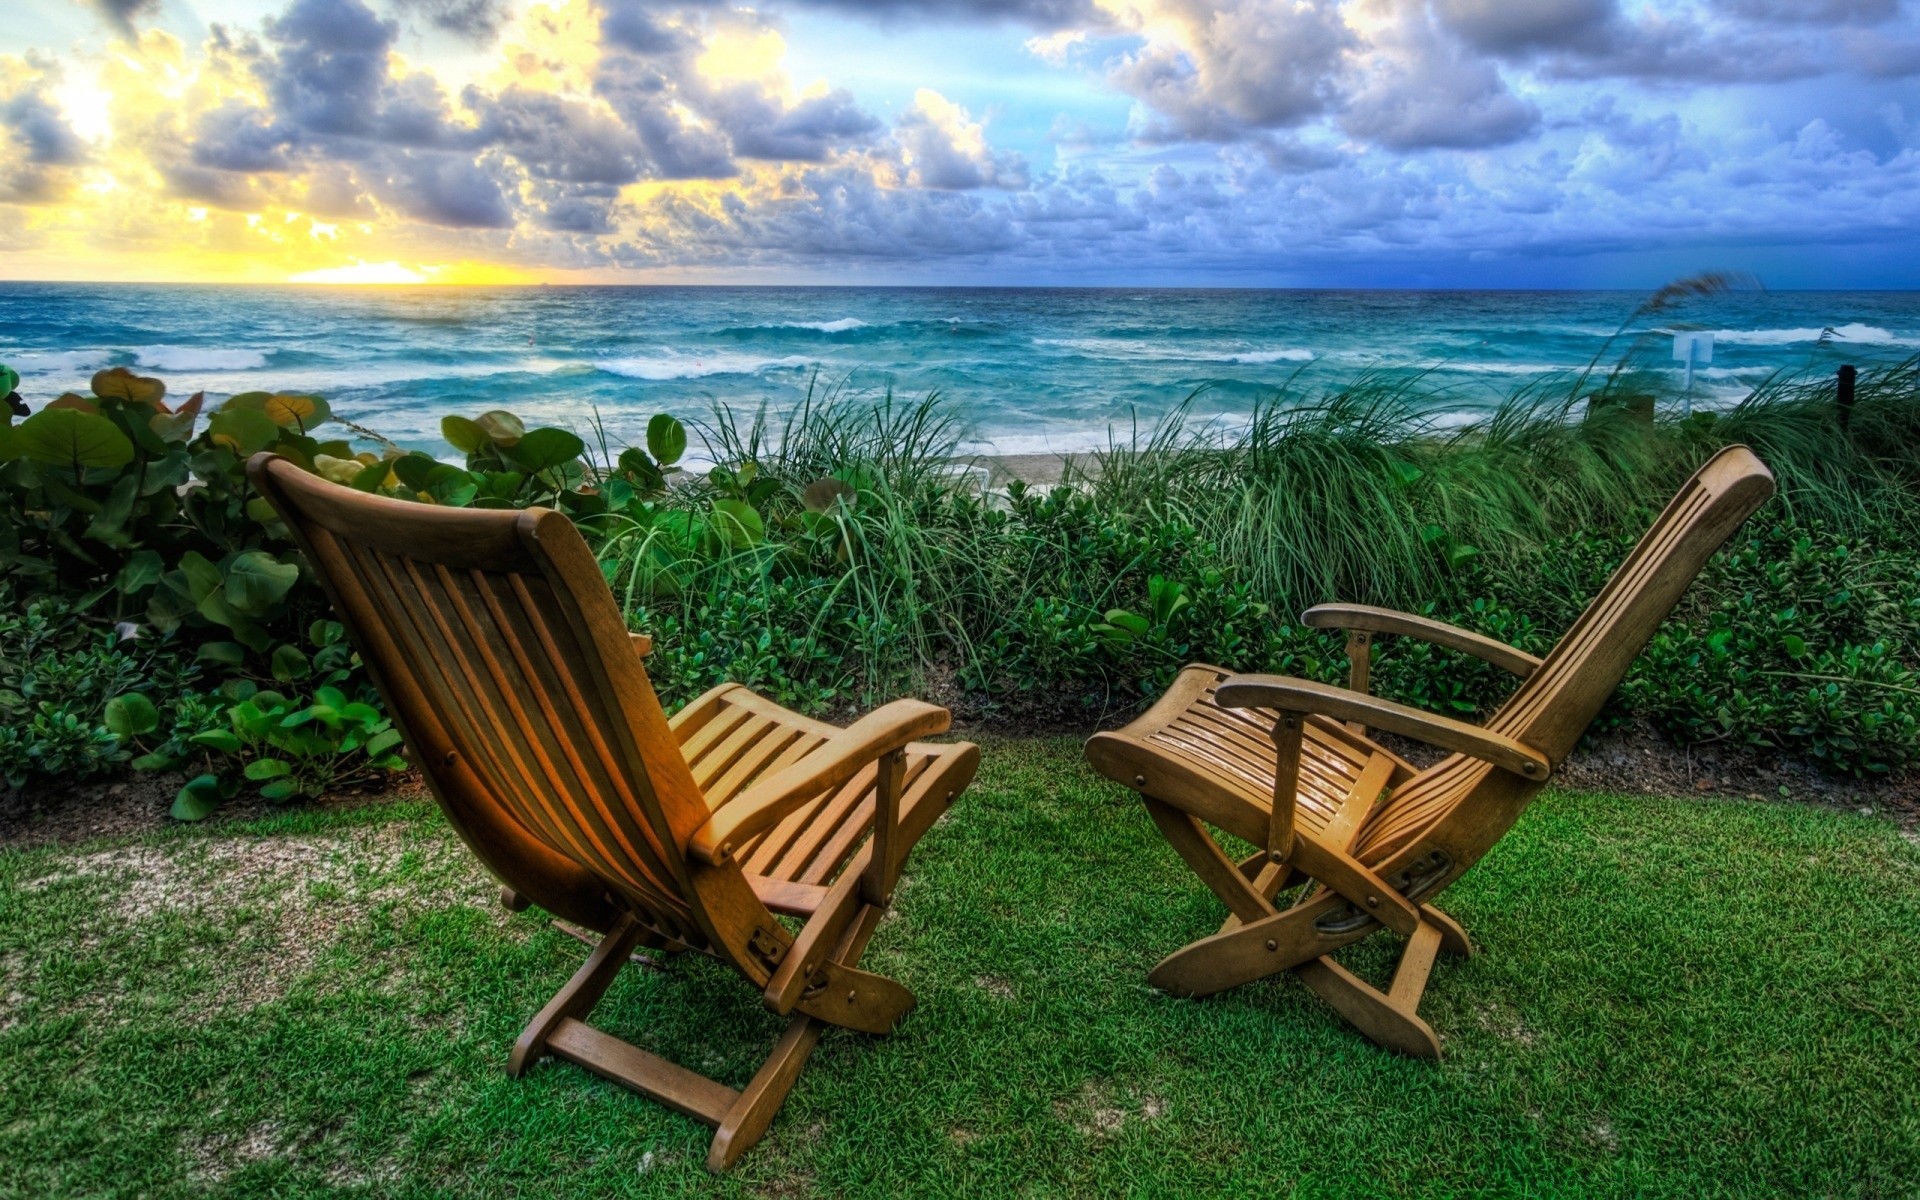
{"x":1270,"y":356}
{"x":697,"y":367}
{"x":198,"y":358}
{"x":841,"y":326}
{"x":1854,"y":333}
{"x":51,"y":362}
{"x":1160,"y":352}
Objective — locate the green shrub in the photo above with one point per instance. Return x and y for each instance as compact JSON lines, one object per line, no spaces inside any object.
{"x":841,"y":558}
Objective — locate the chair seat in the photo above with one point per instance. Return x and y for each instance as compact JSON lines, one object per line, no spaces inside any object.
{"x":1218,"y":763}
{"x":732,"y":737}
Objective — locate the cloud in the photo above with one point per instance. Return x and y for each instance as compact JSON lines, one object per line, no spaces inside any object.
{"x":1047,"y":14}
{"x":761,"y":127}
{"x":332,"y":64}
{"x":478,"y":21}
{"x":1211,"y":73}
{"x":560,"y":138}
{"x":696,"y":121}
{"x":38,"y":148}
{"x":1420,"y":88}
{"x":1504,"y":27}
{"x":1819,"y":12}
{"x":1263,"y":140}
{"x":120,"y":14}
{"x":945,"y":149}
{"x":445,"y":189}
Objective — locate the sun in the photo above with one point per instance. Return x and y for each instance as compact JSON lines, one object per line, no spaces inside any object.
{"x":365,"y":272}
{"x":392,"y":273}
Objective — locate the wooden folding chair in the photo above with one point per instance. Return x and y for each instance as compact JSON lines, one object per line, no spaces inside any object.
{"x":1368,"y":838}
{"x":504,"y":661}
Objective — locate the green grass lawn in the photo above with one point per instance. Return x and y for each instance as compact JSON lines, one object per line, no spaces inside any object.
{"x":1674,"y":997}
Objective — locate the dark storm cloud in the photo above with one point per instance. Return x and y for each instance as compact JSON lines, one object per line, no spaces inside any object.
{"x":478,"y":21}
{"x":1687,"y":51}
{"x":331,"y":65}
{"x":630,"y":25}
{"x":761,"y":127}
{"x":445,"y":189}
{"x":1822,"y":12}
{"x":831,"y":214}
{"x":38,"y":149}
{"x":238,"y":137}
{"x":557,"y":138}
{"x":43,"y":137}
{"x":1502,"y":26}
{"x":120,"y":14}
{"x":643,"y":91}
{"x":575,"y":208}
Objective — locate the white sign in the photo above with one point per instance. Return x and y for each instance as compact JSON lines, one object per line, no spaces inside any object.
{"x":1694,"y":348}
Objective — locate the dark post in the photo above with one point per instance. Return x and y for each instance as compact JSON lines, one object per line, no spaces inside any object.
{"x":1847,"y":374}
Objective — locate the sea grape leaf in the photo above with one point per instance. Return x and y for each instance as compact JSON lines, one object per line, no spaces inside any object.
{"x":501,"y":427}
{"x":131,"y":715}
{"x":68,"y":437}
{"x":257,"y":580}
{"x":463,"y":434}
{"x":119,"y":383}
{"x":738,"y":523}
{"x":822,"y":493}
{"x":198,"y":799}
{"x":666,"y":439}
{"x":546,"y":448}
{"x":290,"y":665}
{"x":142,"y":570}
{"x":225,"y":654}
{"x":413,"y":469}
{"x":372,"y":477}
{"x":244,"y":431}
{"x":296,"y":411}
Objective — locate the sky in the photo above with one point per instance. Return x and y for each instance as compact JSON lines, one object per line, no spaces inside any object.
{"x":1240,"y":143}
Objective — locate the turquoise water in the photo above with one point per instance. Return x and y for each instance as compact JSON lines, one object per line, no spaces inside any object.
{"x":1030,"y":369}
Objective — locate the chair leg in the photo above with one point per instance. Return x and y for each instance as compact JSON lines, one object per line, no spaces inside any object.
{"x":1453,"y":939}
{"x":576,"y":999}
{"x":1390,"y":1018}
{"x":748,"y":1117}
{"x":740,"y":1118}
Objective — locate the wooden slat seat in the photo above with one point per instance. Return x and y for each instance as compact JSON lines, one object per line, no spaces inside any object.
{"x":1218,"y":763}
{"x":498,"y":649}
{"x":1286,"y":765}
{"x":733,"y":738}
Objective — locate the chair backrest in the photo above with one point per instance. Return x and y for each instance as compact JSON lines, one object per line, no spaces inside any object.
{"x":1554,"y":706}
{"x":1557,"y":702}
{"x":505,"y":663}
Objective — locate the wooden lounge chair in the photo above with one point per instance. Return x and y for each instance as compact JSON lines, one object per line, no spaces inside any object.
{"x":501,"y":655}
{"x":1286,"y":765}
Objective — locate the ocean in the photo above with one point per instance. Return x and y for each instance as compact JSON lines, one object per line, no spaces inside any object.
{"x":1030,"y":370}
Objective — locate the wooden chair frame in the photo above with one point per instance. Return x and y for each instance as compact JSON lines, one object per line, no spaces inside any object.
{"x":496,"y":644}
{"x":1366,"y":838}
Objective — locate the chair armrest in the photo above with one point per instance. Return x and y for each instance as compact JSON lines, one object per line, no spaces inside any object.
{"x":1386,"y":620}
{"x":642,"y":643}
{"x":764,"y":804}
{"x":1303,"y":696}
